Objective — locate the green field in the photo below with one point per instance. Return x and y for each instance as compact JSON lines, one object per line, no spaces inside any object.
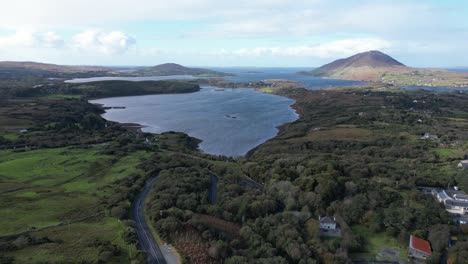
{"x":446,"y":152}
{"x":375,"y":243}
{"x":62,"y":185}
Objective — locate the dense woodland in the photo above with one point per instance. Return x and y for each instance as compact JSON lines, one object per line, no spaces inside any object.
{"x":355,"y":154}
{"x":96,"y":89}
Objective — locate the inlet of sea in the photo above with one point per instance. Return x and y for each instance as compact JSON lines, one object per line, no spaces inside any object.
{"x":229,"y":122}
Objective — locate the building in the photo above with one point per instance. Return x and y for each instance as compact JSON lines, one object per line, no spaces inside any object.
{"x":327,"y":223}
{"x":442,"y":196}
{"x":461,"y":197}
{"x":456,"y":207}
{"x":419,"y":248}
{"x":429,"y":136}
{"x":463,"y":164}
{"x":456,"y":202}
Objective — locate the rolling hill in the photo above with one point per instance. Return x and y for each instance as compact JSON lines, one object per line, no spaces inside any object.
{"x":48,"y":67}
{"x":28,"y":72}
{"x":176,"y":69}
{"x":14,"y":70}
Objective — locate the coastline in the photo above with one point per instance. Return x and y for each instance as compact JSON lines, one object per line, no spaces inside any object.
{"x":135,"y":127}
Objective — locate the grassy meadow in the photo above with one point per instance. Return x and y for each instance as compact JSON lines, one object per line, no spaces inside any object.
{"x":46,"y":187}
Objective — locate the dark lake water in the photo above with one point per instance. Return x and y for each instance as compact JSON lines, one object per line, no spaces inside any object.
{"x":229,"y":121}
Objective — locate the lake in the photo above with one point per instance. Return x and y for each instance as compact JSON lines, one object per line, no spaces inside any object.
{"x":228,"y":121}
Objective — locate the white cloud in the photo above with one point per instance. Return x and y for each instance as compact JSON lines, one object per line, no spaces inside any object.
{"x":29,"y":39}
{"x":333,"y":49}
{"x":414,"y":28}
{"x":114,"y":42}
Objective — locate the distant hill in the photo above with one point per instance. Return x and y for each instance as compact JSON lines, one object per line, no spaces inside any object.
{"x":368,"y":66}
{"x":30,"y":65}
{"x":28,"y":71}
{"x":15,"y":70}
{"x":176,"y":69}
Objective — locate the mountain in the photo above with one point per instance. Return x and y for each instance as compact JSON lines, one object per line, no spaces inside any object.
{"x":368,"y":66}
{"x":176,"y":69}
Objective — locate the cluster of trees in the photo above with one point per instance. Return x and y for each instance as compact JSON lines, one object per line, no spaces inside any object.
{"x":276,"y":194}
{"x":369,"y":181}
{"x":29,"y":88}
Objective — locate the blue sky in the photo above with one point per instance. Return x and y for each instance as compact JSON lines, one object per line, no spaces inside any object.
{"x":233,"y":33}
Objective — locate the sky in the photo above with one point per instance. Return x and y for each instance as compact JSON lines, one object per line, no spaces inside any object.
{"x":261,"y":33}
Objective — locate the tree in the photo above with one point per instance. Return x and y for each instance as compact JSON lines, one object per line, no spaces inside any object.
{"x":458,"y":254}
{"x":439,"y":236}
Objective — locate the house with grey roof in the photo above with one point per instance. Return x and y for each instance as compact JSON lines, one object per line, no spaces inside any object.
{"x":327,"y":223}
{"x":456,"y":202}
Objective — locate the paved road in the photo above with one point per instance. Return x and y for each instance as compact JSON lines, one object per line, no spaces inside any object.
{"x":146,"y":238}
{"x":213,"y":188}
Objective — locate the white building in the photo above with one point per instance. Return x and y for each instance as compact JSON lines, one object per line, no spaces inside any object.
{"x":327,"y":223}
{"x":429,"y":136}
{"x":455,"y":202}
{"x":463,"y":164}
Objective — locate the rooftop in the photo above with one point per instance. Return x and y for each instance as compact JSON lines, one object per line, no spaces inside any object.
{"x":420,"y":245}
{"x":443,"y":195}
{"x":326,"y":220}
{"x":456,"y":203}
{"x":463,"y":197}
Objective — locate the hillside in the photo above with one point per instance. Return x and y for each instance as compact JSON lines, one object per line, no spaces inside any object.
{"x":176,"y":69}
{"x":378,"y":66}
{"x":30,"y":65}
{"x":28,"y":71}
{"x":368,"y":66}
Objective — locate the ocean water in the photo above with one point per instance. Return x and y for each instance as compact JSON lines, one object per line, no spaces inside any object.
{"x":458,"y":69}
{"x":243,"y":75}
{"x":256,"y":74}
{"x":251,"y":74}
{"x":228,"y":121}
{"x":135,"y":79}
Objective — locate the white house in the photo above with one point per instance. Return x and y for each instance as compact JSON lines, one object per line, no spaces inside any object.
{"x":327,"y":223}
{"x":429,"y":136}
{"x":463,"y":164}
{"x":455,"y":202}
{"x":456,"y":207}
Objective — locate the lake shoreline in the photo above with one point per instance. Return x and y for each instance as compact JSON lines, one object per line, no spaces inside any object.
{"x":140,"y":127}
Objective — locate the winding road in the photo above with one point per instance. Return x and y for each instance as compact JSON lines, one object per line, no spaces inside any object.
{"x":147,"y":241}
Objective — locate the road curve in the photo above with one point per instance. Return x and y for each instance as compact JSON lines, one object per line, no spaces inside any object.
{"x":147,"y":241}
